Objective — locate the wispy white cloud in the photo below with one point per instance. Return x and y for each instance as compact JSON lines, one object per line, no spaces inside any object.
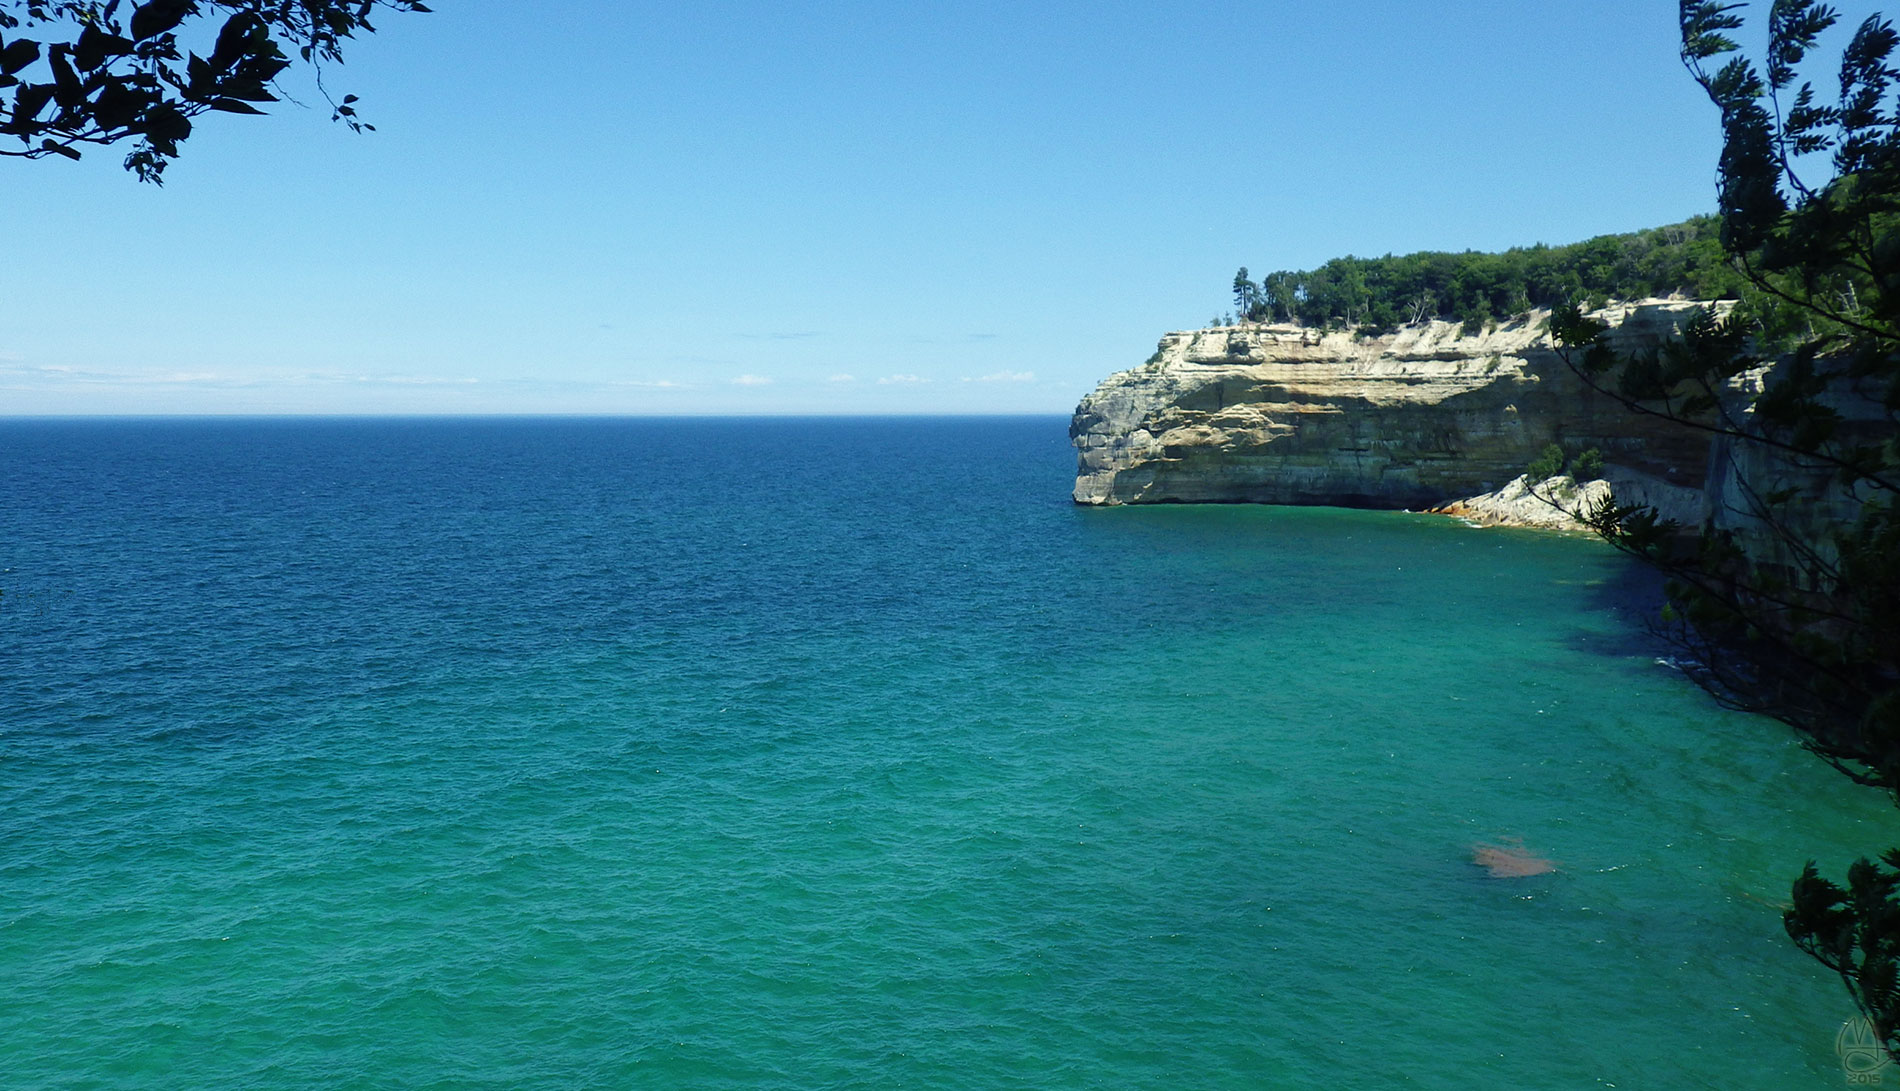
{"x":54,"y":375}
{"x":415,"y":380}
{"x":751,"y":380}
{"x":842,"y":377}
{"x":41,"y":371}
{"x":68,"y":375}
{"x":892,"y":380}
{"x":1003,"y":377}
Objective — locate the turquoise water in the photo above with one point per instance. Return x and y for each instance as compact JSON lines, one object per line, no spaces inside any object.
{"x":812,"y":754}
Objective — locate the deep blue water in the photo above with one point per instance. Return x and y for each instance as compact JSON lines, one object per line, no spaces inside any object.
{"x":849,"y":753}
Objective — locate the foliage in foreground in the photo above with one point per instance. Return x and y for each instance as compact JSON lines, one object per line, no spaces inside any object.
{"x":1790,"y":601}
{"x":105,"y":71}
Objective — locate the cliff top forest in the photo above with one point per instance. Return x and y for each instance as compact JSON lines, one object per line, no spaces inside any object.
{"x":1376,"y":295}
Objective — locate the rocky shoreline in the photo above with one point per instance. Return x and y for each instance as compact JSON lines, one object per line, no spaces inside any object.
{"x":1426,"y":418}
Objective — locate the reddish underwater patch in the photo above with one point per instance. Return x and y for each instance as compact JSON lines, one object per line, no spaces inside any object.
{"x":1509,"y":861}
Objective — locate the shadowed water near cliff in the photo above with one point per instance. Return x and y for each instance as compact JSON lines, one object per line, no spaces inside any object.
{"x":850,"y":753}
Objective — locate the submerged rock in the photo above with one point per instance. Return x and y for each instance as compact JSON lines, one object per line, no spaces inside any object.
{"x":1509,"y":861}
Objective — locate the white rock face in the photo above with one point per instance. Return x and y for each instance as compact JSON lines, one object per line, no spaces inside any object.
{"x":1561,"y":503}
{"x":1557,"y":503}
{"x":1414,"y":419}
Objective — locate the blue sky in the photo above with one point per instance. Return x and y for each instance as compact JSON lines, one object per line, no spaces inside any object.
{"x":605,"y":207}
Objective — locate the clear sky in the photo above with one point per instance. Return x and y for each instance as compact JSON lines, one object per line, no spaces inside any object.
{"x":731,"y":207}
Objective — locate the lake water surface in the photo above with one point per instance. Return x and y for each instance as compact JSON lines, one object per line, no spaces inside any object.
{"x":849,"y":753}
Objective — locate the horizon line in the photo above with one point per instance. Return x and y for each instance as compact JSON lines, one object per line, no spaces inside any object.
{"x":788,"y":415}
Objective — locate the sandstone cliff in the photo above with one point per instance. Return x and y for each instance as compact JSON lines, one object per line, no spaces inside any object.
{"x":1417,"y":418}
{"x":1561,"y":503}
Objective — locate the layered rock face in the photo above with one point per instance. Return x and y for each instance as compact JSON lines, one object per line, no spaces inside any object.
{"x":1815,"y":505}
{"x":1281,"y":415}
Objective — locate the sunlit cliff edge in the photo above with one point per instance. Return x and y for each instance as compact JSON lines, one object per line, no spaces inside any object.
{"x":1419,"y":418}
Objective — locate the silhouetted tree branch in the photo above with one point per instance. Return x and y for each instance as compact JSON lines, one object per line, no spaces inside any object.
{"x":99,"y":72}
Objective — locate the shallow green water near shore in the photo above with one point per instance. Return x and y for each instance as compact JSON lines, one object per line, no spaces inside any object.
{"x":849,"y":754}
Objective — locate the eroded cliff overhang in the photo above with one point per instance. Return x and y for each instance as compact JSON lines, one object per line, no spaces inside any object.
{"x":1411,"y":419}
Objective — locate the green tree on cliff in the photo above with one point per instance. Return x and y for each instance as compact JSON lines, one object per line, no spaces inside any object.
{"x":1475,"y":288}
{"x":1790,"y":604}
{"x":75,"y":73}
{"x":1280,"y":294}
{"x":1246,"y":294}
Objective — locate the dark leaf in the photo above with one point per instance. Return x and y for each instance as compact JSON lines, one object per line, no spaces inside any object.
{"x":118,"y":106}
{"x":236,"y":39}
{"x":1701,"y":22}
{"x":67,"y":90}
{"x":165,"y":125}
{"x":151,"y":19}
{"x":1793,"y":26}
{"x":95,"y":47}
{"x":201,"y":80}
{"x":19,"y":53}
{"x":249,"y":89}
{"x":28,"y":101}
